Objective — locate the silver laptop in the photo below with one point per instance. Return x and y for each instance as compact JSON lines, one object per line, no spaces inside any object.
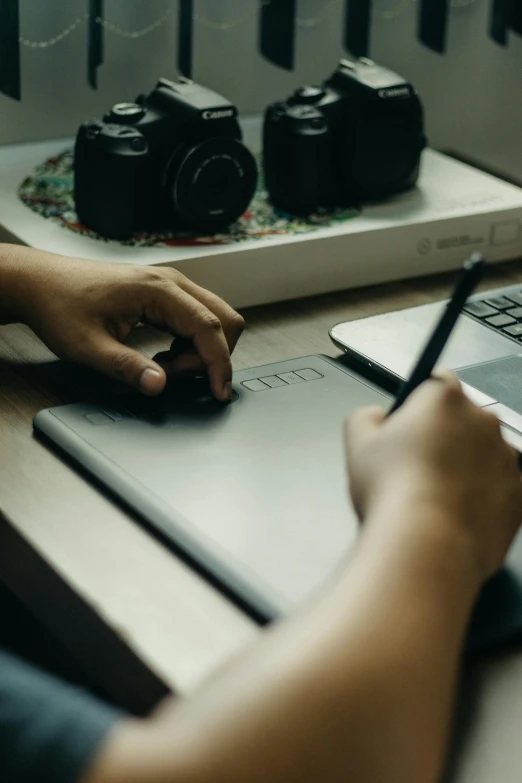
{"x":485,"y":350}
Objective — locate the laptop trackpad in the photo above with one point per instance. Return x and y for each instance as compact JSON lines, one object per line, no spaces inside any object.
{"x":500,"y":379}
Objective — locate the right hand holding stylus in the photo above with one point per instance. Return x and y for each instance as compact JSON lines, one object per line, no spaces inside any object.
{"x":443,"y":455}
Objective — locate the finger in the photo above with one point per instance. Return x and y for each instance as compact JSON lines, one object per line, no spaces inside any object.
{"x":361,"y":426}
{"x":443,"y":387}
{"x":124,"y":364}
{"x":515,"y":455}
{"x":189,"y":318}
{"x":439,"y":382}
{"x":233,"y":324}
{"x":511,"y":454}
{"x":448,"y":378}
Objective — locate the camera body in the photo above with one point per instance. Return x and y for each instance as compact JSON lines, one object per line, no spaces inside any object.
{"x":173,"y":159}
{"x":357,"y":138}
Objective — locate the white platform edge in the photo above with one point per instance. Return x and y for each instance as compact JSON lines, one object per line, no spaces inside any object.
{"x":455,"y":209}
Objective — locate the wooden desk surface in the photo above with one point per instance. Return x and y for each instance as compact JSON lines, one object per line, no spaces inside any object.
{"x":139,"y":619}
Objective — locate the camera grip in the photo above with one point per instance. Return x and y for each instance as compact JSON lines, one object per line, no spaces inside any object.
{"x":297,"y":161}
{"x":109,"y":166}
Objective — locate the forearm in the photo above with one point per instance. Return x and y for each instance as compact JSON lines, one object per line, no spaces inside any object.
{"x":15,"y":277}
{"x":359,"y":687}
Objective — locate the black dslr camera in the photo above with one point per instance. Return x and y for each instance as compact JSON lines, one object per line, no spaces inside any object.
{"x":173,"y":159}
{"x":357,"y":138}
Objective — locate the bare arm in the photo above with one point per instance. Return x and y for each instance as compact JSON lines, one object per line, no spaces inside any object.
{"x":360,"y":685}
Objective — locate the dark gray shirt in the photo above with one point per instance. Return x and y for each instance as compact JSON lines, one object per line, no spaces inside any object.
{"x":50,"y":732}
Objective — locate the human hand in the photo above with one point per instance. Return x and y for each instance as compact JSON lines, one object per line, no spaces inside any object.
{"x":439,"y":456}
{"x":84,"y":311}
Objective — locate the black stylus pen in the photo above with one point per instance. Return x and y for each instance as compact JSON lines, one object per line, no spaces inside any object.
{"x":466,"y":283}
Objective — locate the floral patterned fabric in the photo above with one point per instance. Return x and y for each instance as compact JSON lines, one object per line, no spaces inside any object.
{"x":49,"y":192}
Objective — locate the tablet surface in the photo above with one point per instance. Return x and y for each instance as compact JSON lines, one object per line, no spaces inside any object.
{"x":255,"y":491}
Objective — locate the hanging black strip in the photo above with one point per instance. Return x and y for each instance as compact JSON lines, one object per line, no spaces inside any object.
{"x":516,"y":17}
{"x":433,"y":23}
{"x":500,"y":21}
{"x":358,"y":26}
{"x":10,"y":79}
{"x":186,"y":38}
{"x":95,"y":41}
{"x":278,"y":33}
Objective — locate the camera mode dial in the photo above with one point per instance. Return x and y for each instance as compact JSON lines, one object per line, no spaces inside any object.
{"x":308,"y":95}
{"x":126,"y":113}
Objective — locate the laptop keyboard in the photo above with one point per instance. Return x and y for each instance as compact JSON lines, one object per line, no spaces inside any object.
{"x":502,"y":313}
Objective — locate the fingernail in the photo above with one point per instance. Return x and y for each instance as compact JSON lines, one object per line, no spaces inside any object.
{"x":228,"y":391}
{"x":150,"y":381}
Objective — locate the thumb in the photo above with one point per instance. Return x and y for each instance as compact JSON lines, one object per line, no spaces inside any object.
{"x":122,"y":363}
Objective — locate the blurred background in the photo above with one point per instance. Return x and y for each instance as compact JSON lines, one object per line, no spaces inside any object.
{"x":472,"y":93}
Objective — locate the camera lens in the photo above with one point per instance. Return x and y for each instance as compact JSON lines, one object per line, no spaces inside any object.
{"x":211,"y":185}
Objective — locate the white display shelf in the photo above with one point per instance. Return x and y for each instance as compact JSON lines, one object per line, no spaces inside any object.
{"x":454,"y":210}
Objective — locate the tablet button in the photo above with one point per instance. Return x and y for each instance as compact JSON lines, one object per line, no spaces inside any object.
{"x":290,"y":377}
{"x":308,"y":375}
{"x":273,"y":381}
{"x":114,"y":415}
{"x":255,"y":385}
{"x":99,"y":418}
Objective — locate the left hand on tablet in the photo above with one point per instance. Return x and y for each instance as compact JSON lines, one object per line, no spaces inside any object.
{"x":85,"y":310}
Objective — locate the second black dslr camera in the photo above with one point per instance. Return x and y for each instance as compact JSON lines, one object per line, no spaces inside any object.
{"x":357,"y":138}
{"x":173,"y":159}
